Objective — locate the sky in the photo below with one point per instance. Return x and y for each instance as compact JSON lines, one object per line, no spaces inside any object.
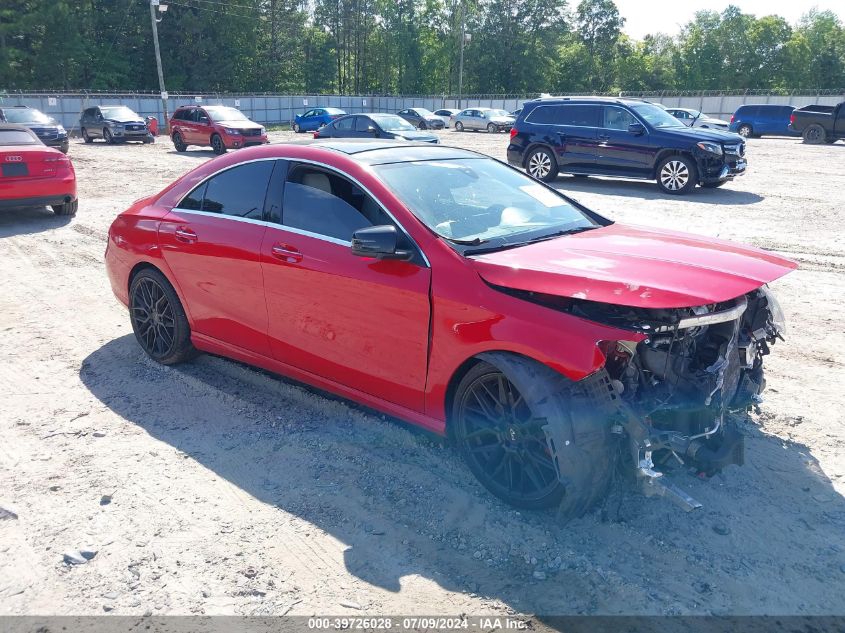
{"x":659,"y":16}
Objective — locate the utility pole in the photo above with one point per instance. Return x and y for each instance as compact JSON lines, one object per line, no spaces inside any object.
{"x":461,"y":62}
{"x":155,"y":21}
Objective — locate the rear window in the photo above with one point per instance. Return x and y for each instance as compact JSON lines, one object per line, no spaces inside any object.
{"x":577,"y":115}
{"x":16,"y":137}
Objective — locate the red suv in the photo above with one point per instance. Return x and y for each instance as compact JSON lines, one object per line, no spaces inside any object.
{"x":221,"y":127}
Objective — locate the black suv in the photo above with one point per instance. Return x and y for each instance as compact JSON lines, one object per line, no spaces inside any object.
{"x":621,"y":137}
{"x":48,"y":130}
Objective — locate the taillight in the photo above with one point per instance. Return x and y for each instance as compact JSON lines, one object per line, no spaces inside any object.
{"x":57,"y":159}
{"x":732,"y":118}
{"x":514,"y":132}
{"x":792,"y":118}
{"x":317,"y":134}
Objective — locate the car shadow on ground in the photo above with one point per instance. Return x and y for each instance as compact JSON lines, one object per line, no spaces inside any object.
{"x":26,"y":220}
{"x":193,"y":152}
{"x":647,"y":190}
{"x":402,"y":505}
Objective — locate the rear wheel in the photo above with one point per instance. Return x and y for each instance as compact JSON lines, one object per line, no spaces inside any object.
{"x":217,"y":145}
{"x":677,"y":175}
{"x":85,"y":136}
{"x":179,"y":142}
{"x":541,"y":164}
{"x":814,"y":134}
{"x":459,"y":127}
{"x":498,"y":415}
{"x":158,"y":319}
{"x":296,"y":128}
{"x":68,"y":208}
{"x":744,"y":130}
{"x":422,"y":125}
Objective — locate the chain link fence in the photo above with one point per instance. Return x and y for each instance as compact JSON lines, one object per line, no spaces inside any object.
{"x":275,"y":109}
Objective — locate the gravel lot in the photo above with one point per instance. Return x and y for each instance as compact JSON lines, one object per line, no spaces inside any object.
{"x":213,"y":488}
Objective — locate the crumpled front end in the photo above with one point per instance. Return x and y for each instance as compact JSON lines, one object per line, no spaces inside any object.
{"x":671,"y":394}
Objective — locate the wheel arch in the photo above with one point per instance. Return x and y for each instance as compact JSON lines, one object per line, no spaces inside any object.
{"x":148,"y":265}
{"x":666,"y":153}
{"x":534,"y":145}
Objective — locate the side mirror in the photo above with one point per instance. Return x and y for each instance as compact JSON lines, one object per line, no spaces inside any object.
{"x":636,"y":129}
{"x":380,"y":242}
{"x":372,"y":129}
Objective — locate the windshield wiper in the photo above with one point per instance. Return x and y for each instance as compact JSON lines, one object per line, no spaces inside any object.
{"x":502,"y":246}
{"x":473,"y":242}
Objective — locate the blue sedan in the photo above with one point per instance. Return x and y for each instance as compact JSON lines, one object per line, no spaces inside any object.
{"x":316,"y":118}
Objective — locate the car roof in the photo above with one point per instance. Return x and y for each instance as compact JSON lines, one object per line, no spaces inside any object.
{"x":20,"y":128}
{"x":380,"y":152}
{"x":586,"y":99}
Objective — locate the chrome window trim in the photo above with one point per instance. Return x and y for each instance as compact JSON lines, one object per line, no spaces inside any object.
{"x":279,"y":225}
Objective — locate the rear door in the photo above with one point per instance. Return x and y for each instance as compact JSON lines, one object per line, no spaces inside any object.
{"x":212,"y":243}
{"x":356,"y":321}
{"x":619,"y":151}
{"x":572,"y":131}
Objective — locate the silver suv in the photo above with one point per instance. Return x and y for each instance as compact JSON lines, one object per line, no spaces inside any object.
{"x":113,"y":124}
{"x":484,"y":119}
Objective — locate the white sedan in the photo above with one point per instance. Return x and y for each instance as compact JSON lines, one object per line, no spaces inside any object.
{"x":694,"y":118}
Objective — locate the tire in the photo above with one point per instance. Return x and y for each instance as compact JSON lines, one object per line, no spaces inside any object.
{"x":677,"y":175}
{"x":541,"y":164}
{"x":65,"y":148}
{"x":85,"y":136}
{"x":714,"y":185}
{"x":158,"y":319}
{"x":217,"y":145}
{"x":69,"y":208}
{"x":492,"y":129}
{"x":459,"y":127}
{"x":745,"y":130}
{"x":814,"y":134}
{"x":500,"y":408}
{"x":422,"y":126}
{"x":178,"y":143}
{"x":107,"y":136}
{"x":296,"y":128}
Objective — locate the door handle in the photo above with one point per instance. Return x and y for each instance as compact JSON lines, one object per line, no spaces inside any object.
{"x":604,"y":137}
{"x":286,"y":252}
{"x":186,"y":235}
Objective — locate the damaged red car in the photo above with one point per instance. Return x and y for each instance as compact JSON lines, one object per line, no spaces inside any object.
{"x":450,"y":290}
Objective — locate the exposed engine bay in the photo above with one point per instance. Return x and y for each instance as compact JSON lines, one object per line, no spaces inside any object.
{"x":670,"y":394}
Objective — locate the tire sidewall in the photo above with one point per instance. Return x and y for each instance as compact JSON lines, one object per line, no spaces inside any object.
{"x":459,"y":127}
{"x":553,"y":170}
{"x":218,"y":149}
{"x":814,"y":135}
{"x":181,"y":347}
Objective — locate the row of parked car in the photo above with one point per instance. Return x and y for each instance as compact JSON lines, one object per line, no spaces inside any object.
{"x":474,"y":118}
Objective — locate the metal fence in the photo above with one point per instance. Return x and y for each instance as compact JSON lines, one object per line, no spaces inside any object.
{"x":272,"y":109}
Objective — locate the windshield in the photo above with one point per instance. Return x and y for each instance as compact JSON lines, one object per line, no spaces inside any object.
{"x":656,"y":117}
{"x":423,"y":112}
{"x":25,"y":115}
{"x":391,"y":122}
{"x":121,"y":113}
{"x":334,"y":111}
{"x":479,"y":200}
{"x":226,"y":114}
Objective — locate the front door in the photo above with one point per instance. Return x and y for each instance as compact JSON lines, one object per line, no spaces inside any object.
{"x":212,"y":242}
{"x":357,"y":321}
{"x":619,"y":151}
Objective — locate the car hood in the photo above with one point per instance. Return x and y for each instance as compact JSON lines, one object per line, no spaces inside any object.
{"x":241,"y":125}
{"x":502,"y":119}
{"x":125,"y":120}
{"x":696,"y":134}
{"x":634,"y":266}
{"x":708,"y":119}
{"x":414,"y":135}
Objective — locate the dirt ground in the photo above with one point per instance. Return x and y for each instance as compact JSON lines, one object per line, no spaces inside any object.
{"x":214,"y":488}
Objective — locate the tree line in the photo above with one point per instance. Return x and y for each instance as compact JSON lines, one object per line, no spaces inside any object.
{"x":406,"y":47}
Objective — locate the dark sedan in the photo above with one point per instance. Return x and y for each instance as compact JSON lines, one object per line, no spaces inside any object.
{"x":48,"y":130}
{"x":374,"y":126}
{"x":422,"y":118}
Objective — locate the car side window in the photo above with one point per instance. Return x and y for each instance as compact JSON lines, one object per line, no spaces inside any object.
{"x":345,"y":123}
{"x":578,"y":115}
{"x":201,"y":116}
{"x":362,"y":123}
{"x":238,"y":192}
{"x":617,"y":118}
{"x":326,"y":204}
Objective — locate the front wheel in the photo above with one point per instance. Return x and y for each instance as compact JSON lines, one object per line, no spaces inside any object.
{"x":296,"y":128}
{"x":158,"y":319}
{"x":814,"y":134}
{"x":491,"y":128}
{"x":459,"y":127}
{"x":500,"y":409}
{"x":179,"y":142}
{"x":541,"y":164}
{"x":217,"y":145}
{"x":677,"y":175}
{"x":85,"y":136}
{"x":422,"y":126}
{"x":107,"y":136}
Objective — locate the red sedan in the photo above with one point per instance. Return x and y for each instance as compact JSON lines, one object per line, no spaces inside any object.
{"x":447,"y":289}
{"x":32,"y":174}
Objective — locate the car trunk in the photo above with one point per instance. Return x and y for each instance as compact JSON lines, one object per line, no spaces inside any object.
{"x":30,"y":162}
